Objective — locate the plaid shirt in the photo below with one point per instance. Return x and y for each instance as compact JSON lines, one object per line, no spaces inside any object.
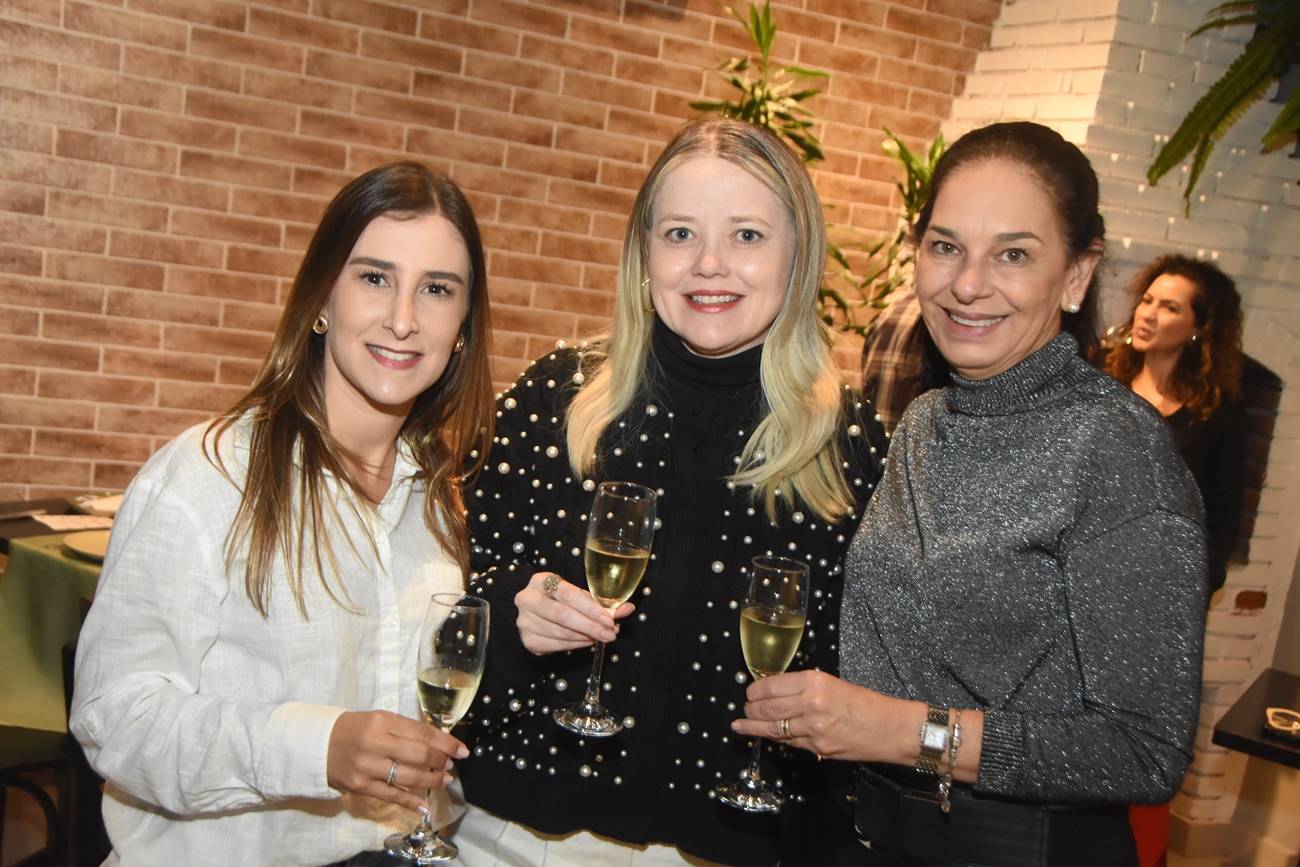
{"x":892,"y":357}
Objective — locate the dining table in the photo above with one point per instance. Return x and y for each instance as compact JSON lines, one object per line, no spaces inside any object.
{"x":43,"y":593}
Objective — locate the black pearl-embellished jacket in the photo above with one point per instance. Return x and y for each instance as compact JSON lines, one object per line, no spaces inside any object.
{"x":675,"y":673}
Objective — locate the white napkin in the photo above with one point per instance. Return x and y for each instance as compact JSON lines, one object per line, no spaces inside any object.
{"x":63,"y":523}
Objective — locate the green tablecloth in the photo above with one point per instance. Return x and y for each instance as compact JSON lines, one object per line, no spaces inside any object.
{"x":40,"y":611}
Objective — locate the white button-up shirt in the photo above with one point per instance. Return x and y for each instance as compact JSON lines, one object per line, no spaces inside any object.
{"x":212,"y":723}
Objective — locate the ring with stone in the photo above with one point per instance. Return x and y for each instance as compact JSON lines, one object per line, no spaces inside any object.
{"x":392,"y":773}
{"x":784,"y":727}
{"x":550,"y":584}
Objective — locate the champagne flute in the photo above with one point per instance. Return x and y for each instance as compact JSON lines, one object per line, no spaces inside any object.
{"x":771,"y":625}
{"x":619,"y":533}
{"x":453,"y":650}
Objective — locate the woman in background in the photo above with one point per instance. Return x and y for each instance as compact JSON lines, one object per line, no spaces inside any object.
{"x":246,"y":676}
{"x":716,"y":387}
{"x":1024,"y":600}
{"x":1183,"y":356}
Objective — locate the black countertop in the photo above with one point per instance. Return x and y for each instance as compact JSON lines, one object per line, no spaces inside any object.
{"x":1242,"y":727}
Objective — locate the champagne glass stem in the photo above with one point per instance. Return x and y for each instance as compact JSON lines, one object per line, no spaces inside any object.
{"x":754,"y":775}
{"x":592,"y":697}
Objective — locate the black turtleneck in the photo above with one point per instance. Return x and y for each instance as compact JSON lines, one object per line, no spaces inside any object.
{"x":676,"y":670}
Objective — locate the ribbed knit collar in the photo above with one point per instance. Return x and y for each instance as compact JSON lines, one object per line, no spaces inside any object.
{"x":721,"y":375}
{"x":1027,"y":384}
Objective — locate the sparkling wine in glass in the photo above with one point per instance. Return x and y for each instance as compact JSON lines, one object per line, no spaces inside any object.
{"x":771,"y":624}
{"x":453,"y":650}
{"x":619,"y":534}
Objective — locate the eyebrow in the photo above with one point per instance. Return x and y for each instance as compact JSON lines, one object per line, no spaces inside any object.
{"x":685,"y":218}
{"x":385,"y":265}
{"x":1001,"y":238}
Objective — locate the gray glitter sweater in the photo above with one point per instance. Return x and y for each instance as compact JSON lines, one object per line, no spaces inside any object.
{"x":1036,"y":549}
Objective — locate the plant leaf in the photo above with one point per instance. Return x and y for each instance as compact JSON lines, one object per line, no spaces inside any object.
{"x":1287,"y":124}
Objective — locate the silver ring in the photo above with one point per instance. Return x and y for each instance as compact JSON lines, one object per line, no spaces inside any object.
{"x":784,"y":727}
{"x":392,"y":773}
{"x":550,"y":584}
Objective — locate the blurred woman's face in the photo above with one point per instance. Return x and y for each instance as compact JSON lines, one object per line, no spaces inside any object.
{"x":993,"y":272}
{"x":721,"y":249}
{"x":1164,"y":320}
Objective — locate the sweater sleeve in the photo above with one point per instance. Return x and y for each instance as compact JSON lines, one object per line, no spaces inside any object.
{"x":1224,"y":481}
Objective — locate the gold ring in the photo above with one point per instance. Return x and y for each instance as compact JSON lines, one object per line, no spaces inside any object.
{"x":550,"y":584}
{"x":392,"y":773}
{"x":784,"y":727}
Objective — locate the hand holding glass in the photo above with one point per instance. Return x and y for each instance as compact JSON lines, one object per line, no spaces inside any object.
{"x":453,"y":650}
{"x":619,"y":534}
{"x":771,"y":625}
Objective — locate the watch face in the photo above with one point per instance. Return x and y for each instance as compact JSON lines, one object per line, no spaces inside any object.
{"x":936,"y":737}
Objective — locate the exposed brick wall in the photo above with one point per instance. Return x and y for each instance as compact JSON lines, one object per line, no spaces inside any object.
{"x":162,"y":164}
{"x":1116,"y":77}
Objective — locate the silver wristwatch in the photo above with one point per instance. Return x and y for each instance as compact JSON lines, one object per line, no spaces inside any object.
{"x":934,"y":740}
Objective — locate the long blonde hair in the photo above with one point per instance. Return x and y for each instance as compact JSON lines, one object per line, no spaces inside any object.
{"x":793,"y":452}
{"x":291,"y":449}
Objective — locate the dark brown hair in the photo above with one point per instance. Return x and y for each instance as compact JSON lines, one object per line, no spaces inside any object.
{"x":1208,"y":370}
{"x":291,"y":449}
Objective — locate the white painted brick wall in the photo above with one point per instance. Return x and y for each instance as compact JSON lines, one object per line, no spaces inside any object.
{"x":1117,"y":76}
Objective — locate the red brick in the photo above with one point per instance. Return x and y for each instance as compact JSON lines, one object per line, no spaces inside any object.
{"x":22,"y":198}
{"x":48,"y":413}
{"x":157,"y":422}
{"x":667,"y":18}
{"x":240,"y":109}
{"x":30,"y":41}
{"x":412,"y":110}
{"x":27,"y":73}
{"x":281,"y":206}
{"x":160,"y":365}
{"x":457,"y":31}
{"x":38,"y":352}
{"x":455,"y":89}
{"x":15,"y":381}
{"x":522,"y":16}
{"x":597,"y":277}
{"x":162,"y":307}
{"x":100,"y":270}
{"x":613,"y":35}
{"x":214,"y":13}
{"x":220,"y":167}
{"x":559,"y":52}
{"x":162,"y":248}
{"x":452,"y":146}
{"x":688,"y":52}
{"x":552,"y":163}
{"x":509,"y":127}
{"x":220,"y":227}
{"x":381,"y":15}
{"x":975,"y":11}
{"x":608,"y":226}
{"x":354,"y":70}
{"x":292,"y":148}
{"x":306,"y":31}
{"x":658,"y":74}
{"x":95,"y":446}
{"x":296,"y":90}
{"x":905,"y":123}
{"x":234,"y":371}
{"x":179,"y":191}
{"x":838,"y":59}
{"x":602,"y":144}
{"x":23,"y":136}
{"x":61,"y":110}
{"x":922,"y":102}
{"x":624,"y":175}
{"x":215,"y":341}
{"x":606,"y":90}
{"x":124,"y":26}
{"x":37,"y":11}
{"x":106,"y":330}
{"x":590,"y":196}
{"x":870,"y":91}
{"x":576,"y":301}
{"x":579,"y":248}
{"x":211,"y":398}
{"x":499,"y":181}
{"x":641,"y":125}
{"x":560,"y":109}
{"x":112,"y":476}
{"x":911,"y":74}
{"x":40,"y":232}
{"x":15,"y":440}
{"x":508,"y":70}
{"x":178,"y":130}
{"x":674,"y":105}
{"x":363,"y":159}
{"x":54,"y":172}
{"x":883,"y":42}
{"x":302,"y":7}
{"x":542,"y":216}
{"x":318,"y":182}
{"x":109,"y":86}
{"x":220,"y":284}
{"x":415,"y":53}
{"x":447,"y":7}
{"x":250,"y":317}
{"x":861,"y":11}
{"x":19,"y":260}
{"x":45,"y":471}
{"x":498,"y":237}
{"x":14,"y":320}
{"x":974,"y":36}
{"x":270,"y":262}
{"x":833,"y":110}
{"x":807,"y":26}
{"x":507,"y":291}
{"x":341,"y":127}
{"x":115,"y":150}
{"x":531,"y":268}
{"x":926,"y":26}
{"x":855,"y":190}
{"x":532,"y":320}
{"x":239,"y":48}
{"x":103,"y":389}
{"x":947,"y":56}
{"x":182,"y":69}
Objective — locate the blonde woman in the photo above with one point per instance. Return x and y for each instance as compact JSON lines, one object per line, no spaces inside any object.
{"x":715,"y":386}
{"x":246,"y":676}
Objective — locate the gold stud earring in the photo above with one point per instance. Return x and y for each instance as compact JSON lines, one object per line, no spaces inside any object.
{"x":321,"y":325}
{"x":459,"y":344}
{"x":649,"y":305}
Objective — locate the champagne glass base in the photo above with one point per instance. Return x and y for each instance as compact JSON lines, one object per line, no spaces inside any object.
{"x":752,"y":796}
{"x":590,"y":720}
{"x":419,"y":848}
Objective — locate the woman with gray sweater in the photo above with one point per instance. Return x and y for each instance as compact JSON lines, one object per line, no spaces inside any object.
{"x":1024,"y":601}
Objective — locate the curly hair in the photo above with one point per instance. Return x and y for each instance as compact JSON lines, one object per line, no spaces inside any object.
{"x":1208,"y":371}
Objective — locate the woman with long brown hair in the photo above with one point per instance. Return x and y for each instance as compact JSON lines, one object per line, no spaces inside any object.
{"x":246,"y":676}
{"x":1183,"y":356}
